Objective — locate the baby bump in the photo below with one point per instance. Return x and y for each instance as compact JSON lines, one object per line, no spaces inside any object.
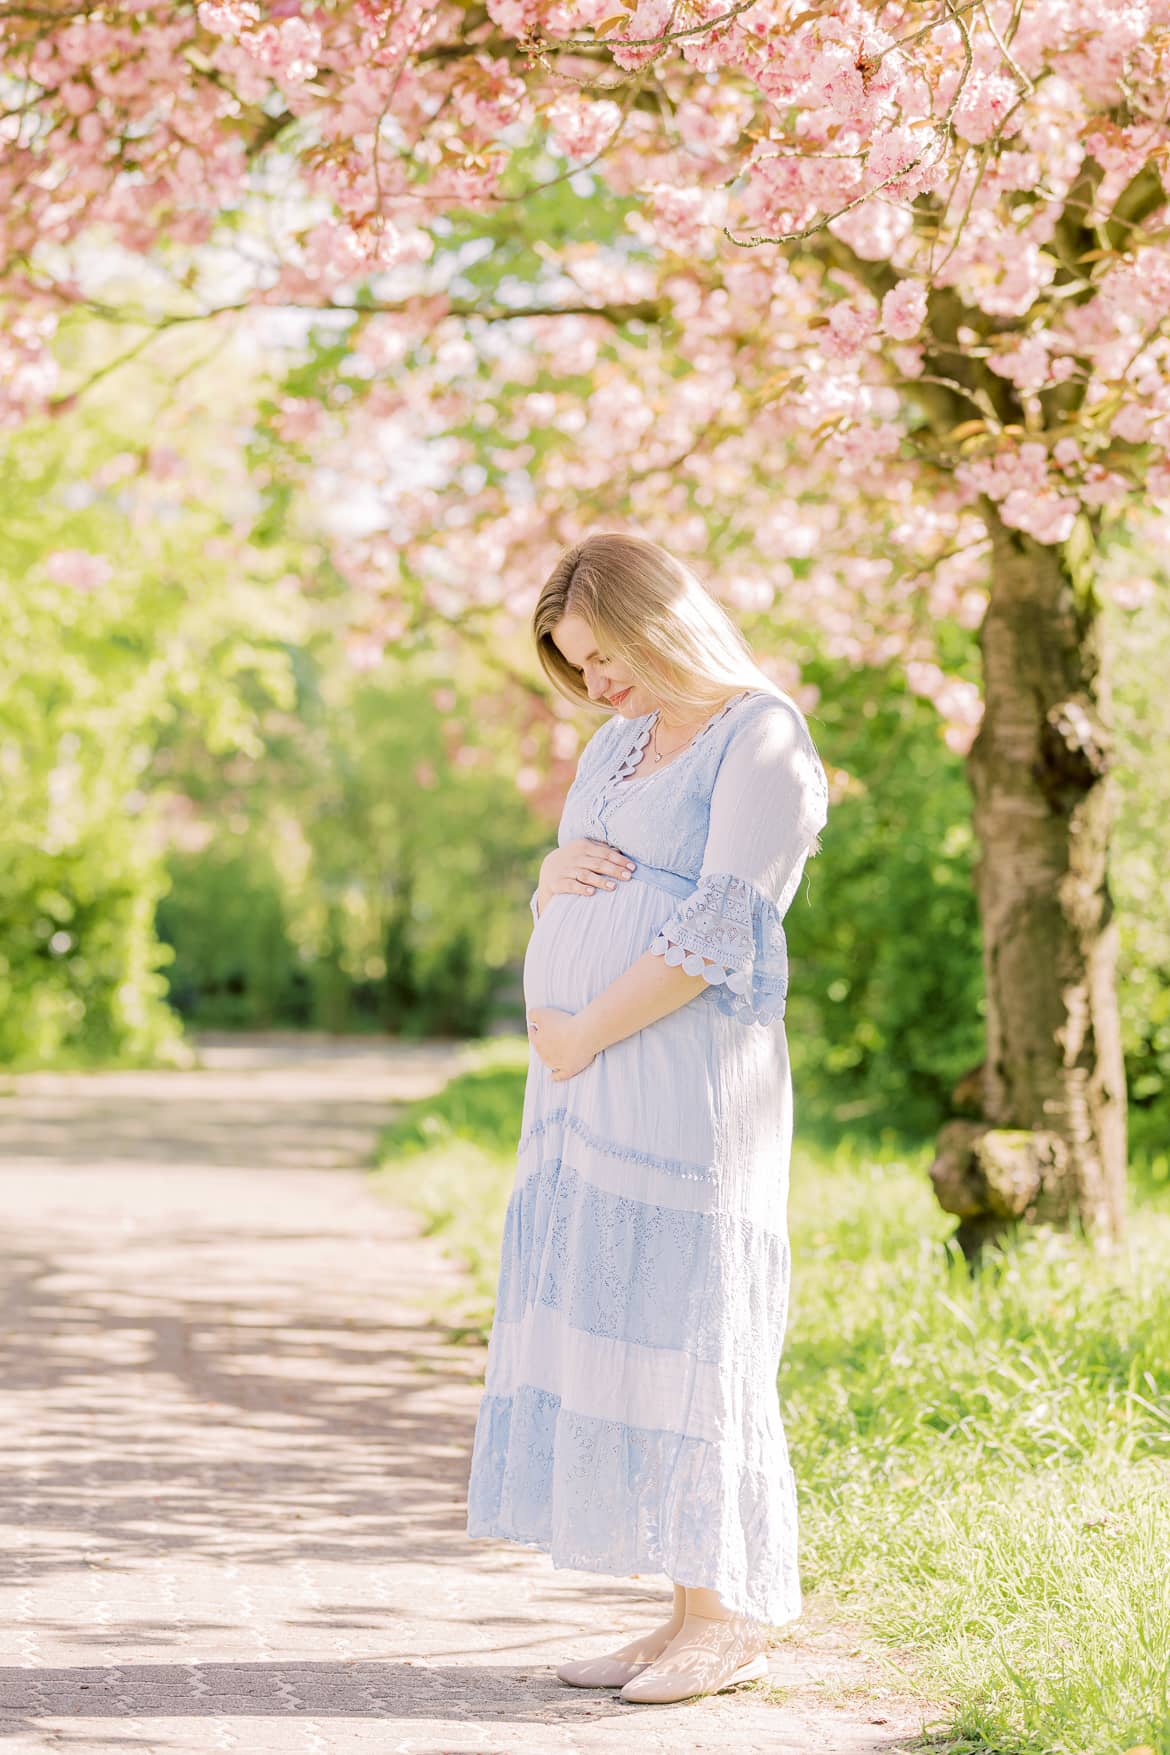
{"x":580,"y":943}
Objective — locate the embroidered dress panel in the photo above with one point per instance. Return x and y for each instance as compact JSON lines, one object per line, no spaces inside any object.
{"x":630,"y":1421}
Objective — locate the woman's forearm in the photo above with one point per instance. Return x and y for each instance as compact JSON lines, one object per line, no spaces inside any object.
{"x":648,"y":990}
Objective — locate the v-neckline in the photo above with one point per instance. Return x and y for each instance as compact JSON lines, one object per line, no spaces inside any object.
{"x":624,"y":776}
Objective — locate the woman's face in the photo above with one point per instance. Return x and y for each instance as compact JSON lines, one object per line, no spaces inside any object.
{"x":606,"y":678}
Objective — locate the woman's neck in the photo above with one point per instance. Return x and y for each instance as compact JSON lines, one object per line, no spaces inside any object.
{"x":673,"y":726}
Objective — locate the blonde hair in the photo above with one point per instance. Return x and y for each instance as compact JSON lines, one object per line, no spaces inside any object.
{"x":648,"y":609}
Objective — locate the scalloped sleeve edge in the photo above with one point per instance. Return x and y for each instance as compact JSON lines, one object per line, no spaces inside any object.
{"x":732,"y":935}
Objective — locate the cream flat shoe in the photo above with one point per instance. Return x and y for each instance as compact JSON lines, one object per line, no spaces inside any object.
{"x":613,"y":1669}
{"x":665,"y":1686}
{"x":599,"y":1672}
{"x":707,"y":1656}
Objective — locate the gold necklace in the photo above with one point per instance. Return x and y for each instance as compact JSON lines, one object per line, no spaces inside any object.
{"x":658,"y":754}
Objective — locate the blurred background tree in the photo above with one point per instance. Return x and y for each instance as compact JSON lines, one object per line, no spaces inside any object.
{"x":123,"y":617}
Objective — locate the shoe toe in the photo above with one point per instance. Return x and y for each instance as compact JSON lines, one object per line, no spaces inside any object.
{"x":598,"y":1672}
{"x":660,"y":1687}
{"x":648,"y":1690}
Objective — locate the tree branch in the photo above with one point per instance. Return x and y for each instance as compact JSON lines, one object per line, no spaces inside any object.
{"x":636,"y":311}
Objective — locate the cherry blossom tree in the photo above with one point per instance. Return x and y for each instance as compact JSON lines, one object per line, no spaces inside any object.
{"x":860,"y":306}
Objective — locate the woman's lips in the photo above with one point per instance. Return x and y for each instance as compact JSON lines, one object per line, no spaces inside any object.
{"x":616,"y":700}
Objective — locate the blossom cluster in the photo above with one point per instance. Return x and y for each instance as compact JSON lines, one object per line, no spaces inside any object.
{"x":846,"y":227}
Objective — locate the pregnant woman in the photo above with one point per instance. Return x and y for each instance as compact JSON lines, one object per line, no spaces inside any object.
{"x":630,"y":1422}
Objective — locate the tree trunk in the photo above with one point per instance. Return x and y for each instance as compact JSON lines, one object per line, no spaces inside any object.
{"x":1049,"y":1143}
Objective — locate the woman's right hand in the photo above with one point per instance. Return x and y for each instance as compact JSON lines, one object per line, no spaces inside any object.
{"x":577,"y":868}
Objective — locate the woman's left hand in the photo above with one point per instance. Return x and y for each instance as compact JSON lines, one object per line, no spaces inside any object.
{"x":559,"y":1039}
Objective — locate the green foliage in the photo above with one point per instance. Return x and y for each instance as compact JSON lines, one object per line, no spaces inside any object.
{"x":80,"y":980}
{"x":191,"y":724}
{"x":431,"y":858}
{"x":79,"y":967}
{"x":94,"y":682}
{"x":1139,"y":864}
{"x":982,"y":1462}
{"x":363,"y":873}
{"x":887,"y":999}
{"x":886,"y":996}
{"x":234,"y":966}
{"x":480,"y":1106}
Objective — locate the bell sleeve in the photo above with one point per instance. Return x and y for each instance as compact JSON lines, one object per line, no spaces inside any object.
{"x":769,"y":803}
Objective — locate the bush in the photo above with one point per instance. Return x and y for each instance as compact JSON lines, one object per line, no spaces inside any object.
{"x":233,"y":966}
{"x":886,"y":1004}
{"x":80,"y":980}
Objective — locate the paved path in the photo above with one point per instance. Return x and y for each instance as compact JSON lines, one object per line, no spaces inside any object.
{"x":236,"y":1451}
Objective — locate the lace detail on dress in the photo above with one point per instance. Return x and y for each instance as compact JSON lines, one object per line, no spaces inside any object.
{"x":630,"y":759}
{"x":603,"y":1496}
{"x":741,"y":931}
{"x":563,"y":1117}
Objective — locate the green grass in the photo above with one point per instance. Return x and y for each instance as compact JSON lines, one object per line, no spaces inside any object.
{"x":983,"y":1463}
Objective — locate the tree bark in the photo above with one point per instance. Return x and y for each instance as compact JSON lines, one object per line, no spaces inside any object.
{"x":1048,"y":1144}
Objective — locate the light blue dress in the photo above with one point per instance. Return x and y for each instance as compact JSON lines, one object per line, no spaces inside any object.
{"x":630,"y":1420}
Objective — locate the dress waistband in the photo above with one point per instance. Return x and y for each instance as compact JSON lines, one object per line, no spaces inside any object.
{"x":674,"y":881}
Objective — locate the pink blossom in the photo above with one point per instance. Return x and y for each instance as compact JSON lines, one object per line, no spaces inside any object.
{"x":1025,"y":362}
{"x":363,"y":650}
{"x":1018,"y":480}
{"x":851,"y":325}
{"x":164,"y":463}
{"x":79,"y":568}
{"x":683,"y":220}
{"x":1133,"y":593}
{"x":985,"y":104}
{"x":1131,"y":422}
{"x":1047,"y":517}
{"x":565,"y":740}
{"x":648,"y":20}
{"x":1104,"y":487}
{"x":77,"y":97}
{"x":896,"y":150}
{"x":581,"y":126}
{"x":228,"y":18}
{"x":288,"y":153}
{"x":904,"y":309}
{"x":299,"y":419}
{"x":288,"y":50}
{"x":516,"y":17}
{"x":493,"y":100}
{"x":713,"y":118}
